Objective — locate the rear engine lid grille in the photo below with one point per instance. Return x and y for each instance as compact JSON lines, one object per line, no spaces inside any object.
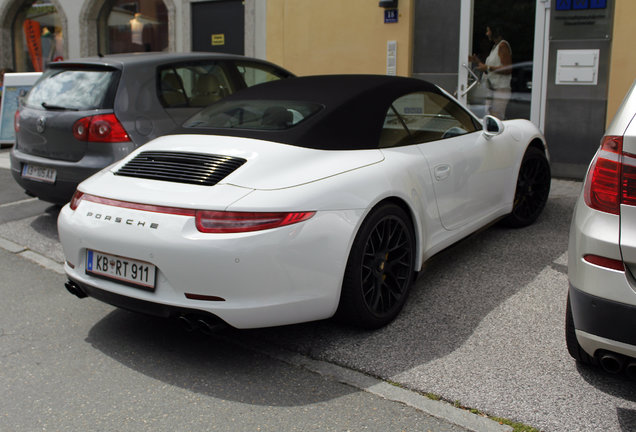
{"x":191,"y":168}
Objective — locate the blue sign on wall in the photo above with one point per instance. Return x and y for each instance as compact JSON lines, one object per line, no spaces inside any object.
{"x":561,"y":5}
{"x":390,"y":16}
{"x":580,"y":4}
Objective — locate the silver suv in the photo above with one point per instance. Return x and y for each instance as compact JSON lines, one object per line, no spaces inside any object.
{"x":83,"y":115}
{"x":600,"y":325}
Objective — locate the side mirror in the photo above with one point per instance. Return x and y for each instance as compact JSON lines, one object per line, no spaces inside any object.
{"x":492,"y":126}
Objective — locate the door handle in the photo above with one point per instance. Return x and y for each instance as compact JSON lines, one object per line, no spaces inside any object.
{"x":474,"y":83}
{"x":442,"y":172}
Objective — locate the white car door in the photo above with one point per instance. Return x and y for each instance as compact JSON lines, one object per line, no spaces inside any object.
{"x":469,"y":171}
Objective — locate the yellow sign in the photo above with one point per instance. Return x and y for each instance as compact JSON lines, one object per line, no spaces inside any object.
{"x":218,"y":39}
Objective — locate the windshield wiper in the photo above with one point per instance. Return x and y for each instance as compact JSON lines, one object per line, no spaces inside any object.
{"x":57,"y":107}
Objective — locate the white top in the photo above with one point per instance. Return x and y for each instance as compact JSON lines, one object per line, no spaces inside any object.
{"x":497,"y":80}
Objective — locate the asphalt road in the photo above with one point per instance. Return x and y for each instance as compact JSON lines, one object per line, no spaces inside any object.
{"x":483,"y":327}
{"x":83,"y":366}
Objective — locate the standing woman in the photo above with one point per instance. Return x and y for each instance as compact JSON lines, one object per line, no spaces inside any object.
{"x":499,"y":71}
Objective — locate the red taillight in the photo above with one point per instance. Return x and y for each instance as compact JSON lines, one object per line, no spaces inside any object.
{"x":100,"y":128}
{"x":208,"y":221}
{"x":628,"y":180}
{"x":137,"y":206}
{"x":610,"y":263}
{"x":80,"y":129}
{"x":234,"y":222}
{"x":77,"y":197}
{"x":603,"y":182}
{"x":16,"y":121}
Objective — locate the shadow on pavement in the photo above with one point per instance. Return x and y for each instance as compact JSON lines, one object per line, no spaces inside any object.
{"x":456,"y":290}
{"x":46,"y":223}
{"x":618,"y":385}
{"x":37,"y":232}
{"x":498,"y":296}
{"x":626,"y":419}
{"x":204,"y":364}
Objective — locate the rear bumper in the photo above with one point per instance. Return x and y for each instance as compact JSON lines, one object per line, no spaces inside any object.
{"x":141,"y":306}
{"x":69,"y":174}
{"x":265,"y":278}
{"x":59,"y":192}
{"x":605,"y":318}
{"x":603,"y":324}
{"x":603,"y":300}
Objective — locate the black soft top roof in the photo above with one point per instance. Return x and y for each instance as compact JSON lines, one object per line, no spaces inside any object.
{"x":352,"y":118}
{"x":148,"y":59}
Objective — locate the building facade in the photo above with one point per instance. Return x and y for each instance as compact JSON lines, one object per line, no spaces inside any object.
{"x":571,"y":59}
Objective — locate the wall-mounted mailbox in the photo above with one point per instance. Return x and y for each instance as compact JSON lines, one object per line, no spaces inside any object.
{"x":577,"y":67}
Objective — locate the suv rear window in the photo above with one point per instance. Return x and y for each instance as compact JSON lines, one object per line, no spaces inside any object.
{"x":74,"y":89}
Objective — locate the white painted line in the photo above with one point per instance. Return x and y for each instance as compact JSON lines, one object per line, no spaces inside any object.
{"x":18,"y":202}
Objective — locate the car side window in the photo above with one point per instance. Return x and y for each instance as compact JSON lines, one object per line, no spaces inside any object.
{"x":422,"y":117}
{"x":193,"y":85}
{"x":256,"y":73}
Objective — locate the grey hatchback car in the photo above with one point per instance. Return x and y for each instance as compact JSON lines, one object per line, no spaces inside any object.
{"x":83,"y":115}
{"x":600,"y":322}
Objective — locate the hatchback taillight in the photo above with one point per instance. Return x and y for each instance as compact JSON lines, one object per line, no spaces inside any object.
{"x":100,"y":128}
{"x":208,"y":221}
{"x":16,"y":121}
{"x":611,"y":179}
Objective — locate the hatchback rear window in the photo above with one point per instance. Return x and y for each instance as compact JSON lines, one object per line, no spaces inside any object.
{"x":73,"y":89}
{"x":254,"y":114}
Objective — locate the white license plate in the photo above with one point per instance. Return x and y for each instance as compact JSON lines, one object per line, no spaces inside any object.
{"x":39,"y":173}
{"x":125,"y":270}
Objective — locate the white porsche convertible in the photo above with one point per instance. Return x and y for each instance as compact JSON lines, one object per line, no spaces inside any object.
{"x":299,"y":200}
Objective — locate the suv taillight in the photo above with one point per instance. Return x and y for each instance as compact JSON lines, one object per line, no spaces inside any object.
{"x":100,"y":128}
{"x":611,"y":179}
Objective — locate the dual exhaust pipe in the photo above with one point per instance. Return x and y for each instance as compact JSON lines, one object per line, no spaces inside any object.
{"x":190,"y":322}
{"x":615,"y":363}
{"x":196,"y":322}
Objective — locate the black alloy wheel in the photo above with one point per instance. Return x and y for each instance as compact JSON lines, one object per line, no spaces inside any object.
{"x":380,"y":269}
{"x":533,"y":188}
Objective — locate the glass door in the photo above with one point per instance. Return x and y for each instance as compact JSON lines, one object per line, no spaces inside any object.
{"x":501,"y":64}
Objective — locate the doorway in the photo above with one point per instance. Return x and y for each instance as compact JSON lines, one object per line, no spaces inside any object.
{"x":522,"y":24}
{"x":218,"y":26}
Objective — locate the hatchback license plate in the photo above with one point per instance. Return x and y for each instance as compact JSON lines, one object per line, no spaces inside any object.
{"x":39,"y":173}
{"x":139,"y":274}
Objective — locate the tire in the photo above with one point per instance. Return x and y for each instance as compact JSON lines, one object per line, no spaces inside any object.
{"x":571,"y":342}
{"x":533,"y":188}
{"x":379,"y":270}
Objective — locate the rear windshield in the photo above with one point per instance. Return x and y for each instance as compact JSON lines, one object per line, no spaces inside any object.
{"x":254,"y":114}
{"x":73,"y":89}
